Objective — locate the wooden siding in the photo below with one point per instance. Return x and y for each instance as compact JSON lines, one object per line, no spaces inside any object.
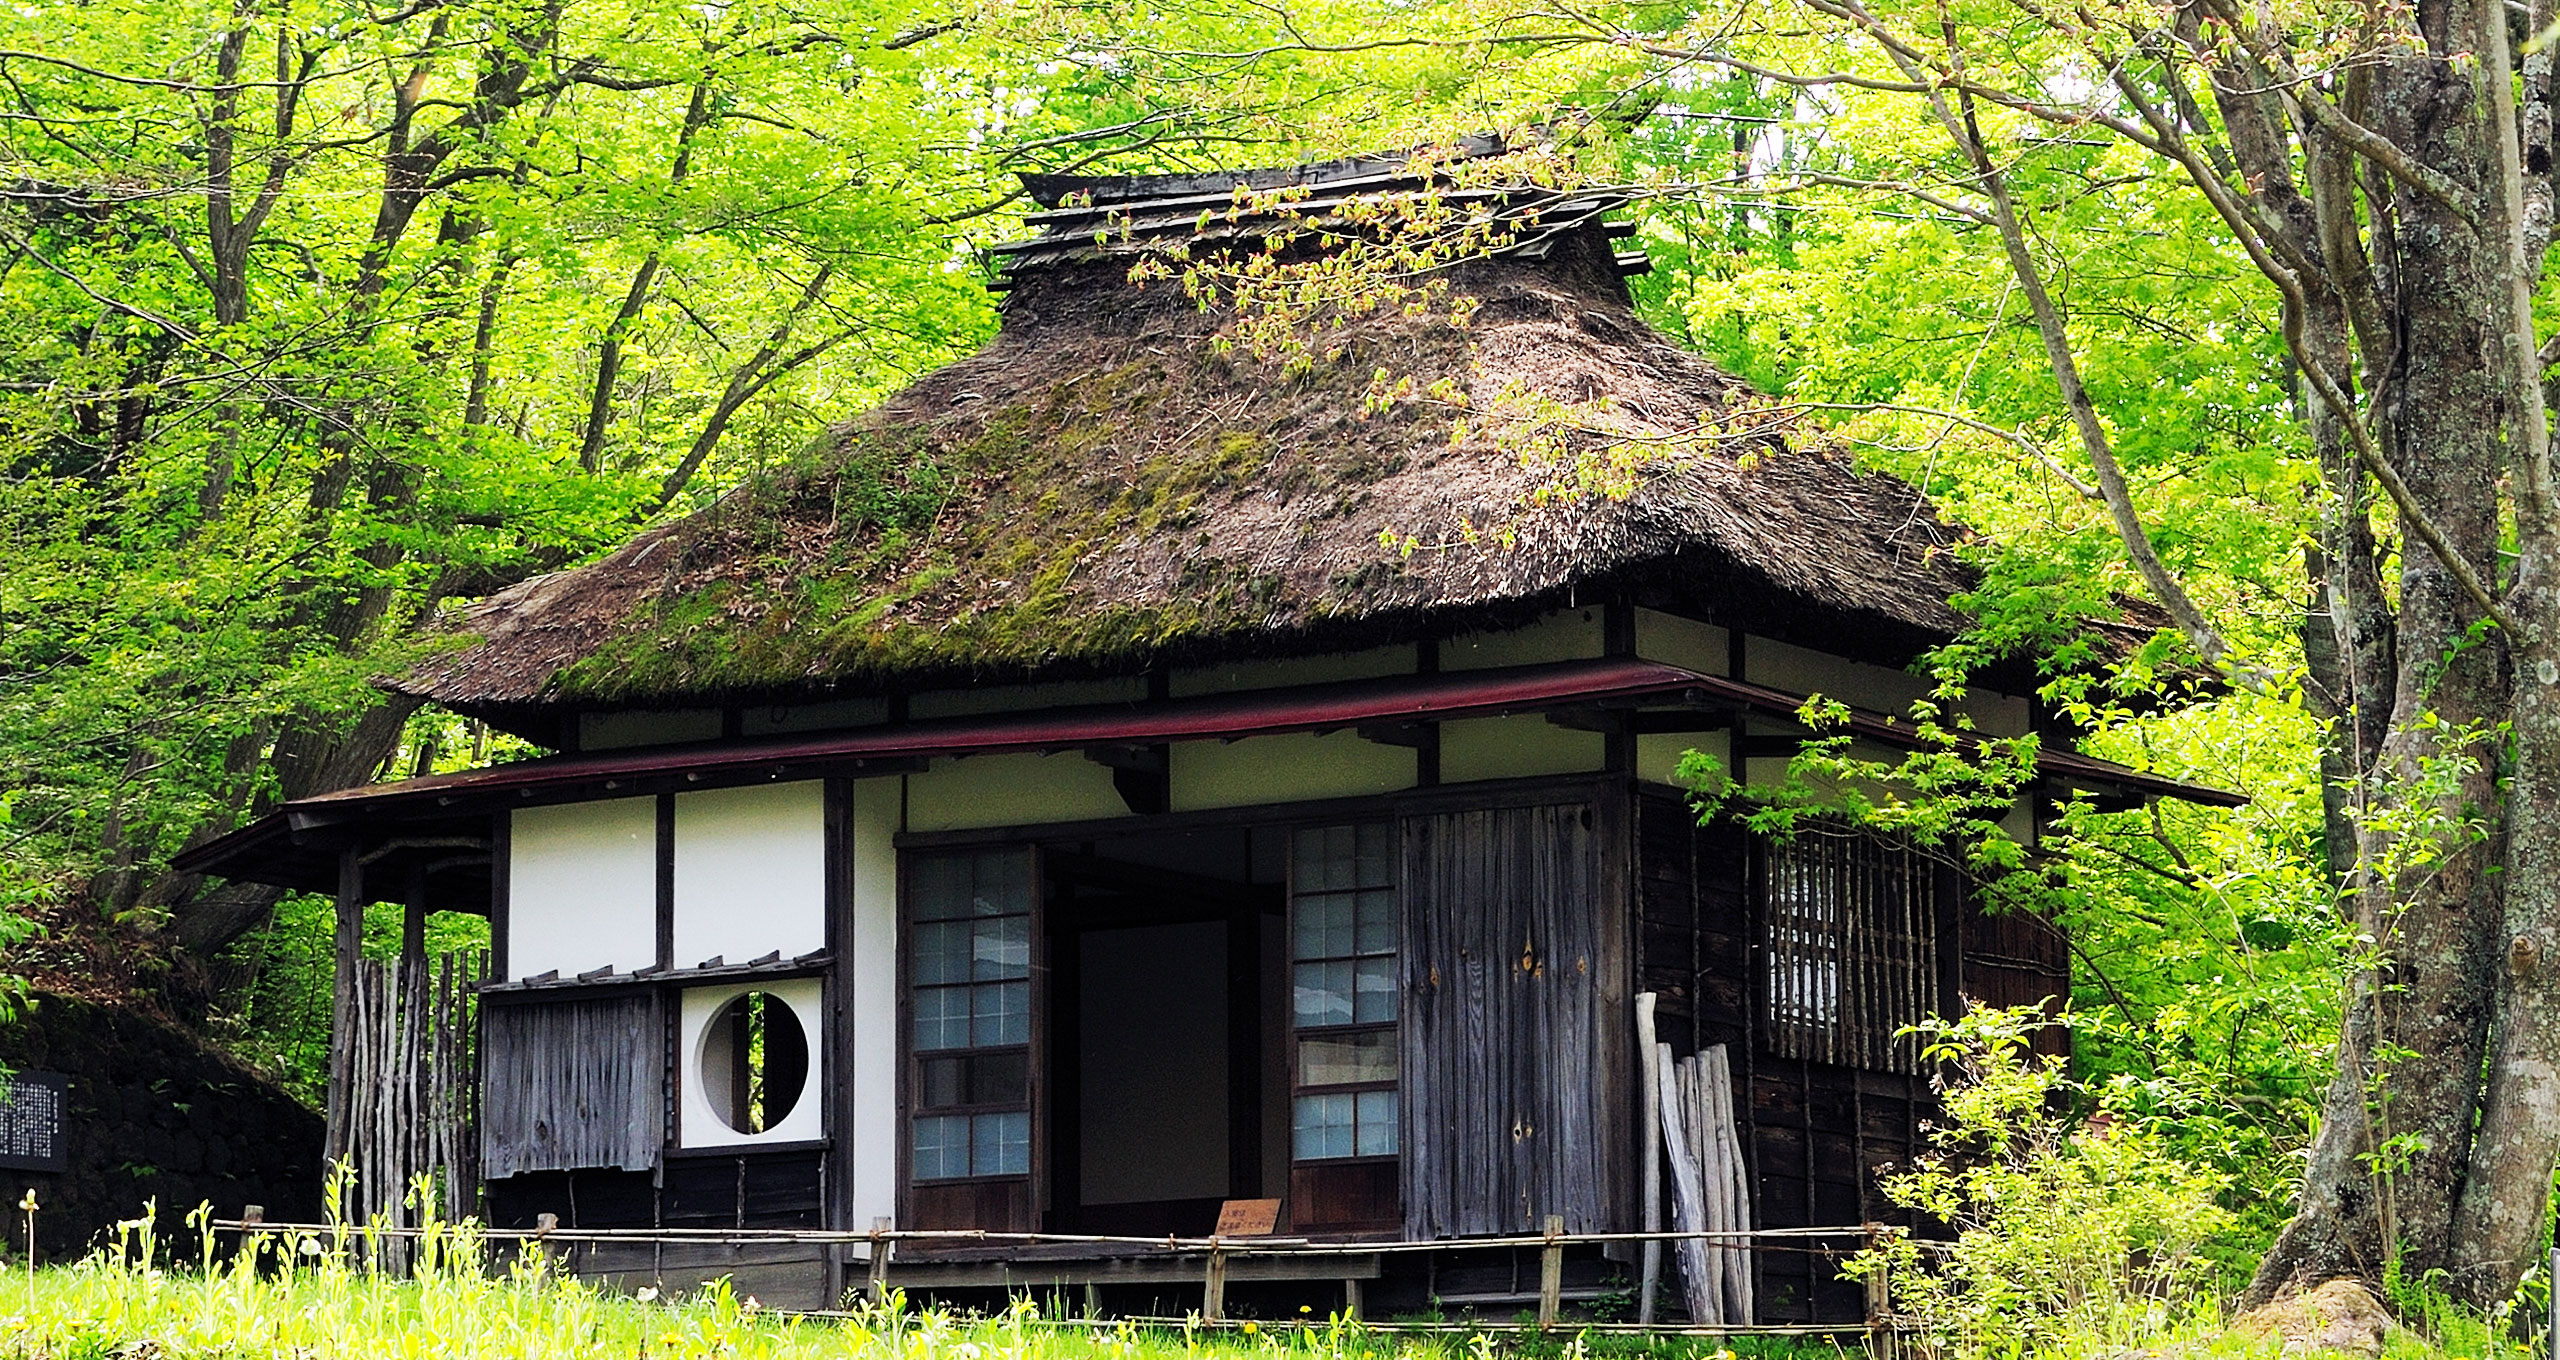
{"x":1813,"y":1134}
{"x":571,"y":1085}
{"x":1515,"y":1010}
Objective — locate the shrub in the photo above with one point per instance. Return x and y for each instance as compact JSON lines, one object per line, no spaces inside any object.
{"x":2067,"y":1225}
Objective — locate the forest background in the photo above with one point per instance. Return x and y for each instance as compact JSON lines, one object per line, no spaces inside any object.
{"x":326,"y":316}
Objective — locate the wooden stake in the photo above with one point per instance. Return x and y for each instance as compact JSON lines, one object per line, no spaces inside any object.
{"x":1213,"y":1300}
{"x":880,"y":1248}
{"x":1351,"y":1300}
{"x":1551,"y":1274}
{"x":1649,"y":1088}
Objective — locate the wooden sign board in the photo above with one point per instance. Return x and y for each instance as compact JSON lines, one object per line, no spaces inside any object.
{"x":1248,"y":1218}
{"x":31,"y":1121}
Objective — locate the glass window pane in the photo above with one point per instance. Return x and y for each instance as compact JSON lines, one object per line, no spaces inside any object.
{"x":1370,"y":866}
{"x":998,"y":1078}
{"x":941,"y":953}
{"x":942,"y":1017}
{"x":1320,"y":1126}
{"x":1376,"y":1001}
{"x":1377,"y":930}
{"x":1003,"y":1014}
{"x":1307,"y":871}
{"x":1324,"y":929}
{"x":1323,"y":992}
{"x":937,"y":887}
{"x":1001,"y":948}
{"x":1377,"y":1121}
{"x":1003,"y":883}
{"x":941,"y":1147}
{"x":1002,"y":1144}
{"x":946,"y":1082}
{"x":1343,"y":1059}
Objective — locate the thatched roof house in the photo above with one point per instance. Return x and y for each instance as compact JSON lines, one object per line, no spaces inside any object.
{"x":1170,"y":770}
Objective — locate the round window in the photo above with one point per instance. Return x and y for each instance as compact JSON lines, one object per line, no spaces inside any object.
{"x":755,"y":1062}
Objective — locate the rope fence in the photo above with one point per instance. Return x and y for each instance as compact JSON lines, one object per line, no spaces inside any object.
{"x":1214,"y":1252}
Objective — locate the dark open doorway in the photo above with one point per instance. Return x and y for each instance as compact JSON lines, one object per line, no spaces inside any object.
{"x":1161,"y":1063}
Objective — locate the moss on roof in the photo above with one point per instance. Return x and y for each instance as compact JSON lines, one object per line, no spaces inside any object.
{"x":1106,"y":484}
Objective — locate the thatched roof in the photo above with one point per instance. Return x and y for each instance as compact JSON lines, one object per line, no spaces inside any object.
{"x":1107,"y":485}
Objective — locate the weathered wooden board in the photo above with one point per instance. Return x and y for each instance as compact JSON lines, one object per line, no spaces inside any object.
{"x":570,"y":1084}
{"x":1518,"y":1080}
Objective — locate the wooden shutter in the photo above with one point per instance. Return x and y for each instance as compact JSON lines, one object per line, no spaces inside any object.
{"x":1515,"y":1017}
{"x":569,"y":1085}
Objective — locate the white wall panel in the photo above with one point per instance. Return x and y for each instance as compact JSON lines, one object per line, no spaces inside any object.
{"x":1278,"y":672}
{"x":608,"y":731}
{"x":1011,"y":790}
{"x":697,"y":1125}
{"x":582,"y":887}
{"x":1565,"y":635}
{"x":751,"y":872}
{"x":945,"y":703}
{"x":1292,"y":768}
{"x":872,"y":1067}
{"x":1510,"y":748}
{"x":1687,"y":643}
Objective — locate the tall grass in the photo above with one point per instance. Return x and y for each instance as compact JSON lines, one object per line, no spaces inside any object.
{"x":320,"y":1296}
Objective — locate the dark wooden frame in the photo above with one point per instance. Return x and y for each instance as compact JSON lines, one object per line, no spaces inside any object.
{"x":1022,"y":1215}
{"x":1317,"y":1177}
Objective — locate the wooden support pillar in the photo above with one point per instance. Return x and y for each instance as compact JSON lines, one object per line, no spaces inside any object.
{"x":1351,"y":1299}
{"x":1213,"y":1298}
{"x":349,"y":945}
{"x":1551,"y":1274}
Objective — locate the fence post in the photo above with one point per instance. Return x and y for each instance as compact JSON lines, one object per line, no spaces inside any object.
{"x":1551,"y":1274}
{"x":1213,"y":1298}
{"x":1885,"y":1341}
{"x":880,"y":1247}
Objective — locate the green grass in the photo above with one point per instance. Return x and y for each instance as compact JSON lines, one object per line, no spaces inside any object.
{"x":315,"y":1299}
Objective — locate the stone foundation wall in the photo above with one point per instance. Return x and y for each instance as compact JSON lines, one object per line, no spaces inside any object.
{"x":154,"y":1110}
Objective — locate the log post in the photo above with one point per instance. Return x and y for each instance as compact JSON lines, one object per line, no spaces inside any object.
{"x":1551,"y":1274}
{"x":1649,"y":1118}
{"x":349,"y":944}
{"x":1351,"y":1299}
{"x":880,"y":1247}
{"x":1213,"y":1298}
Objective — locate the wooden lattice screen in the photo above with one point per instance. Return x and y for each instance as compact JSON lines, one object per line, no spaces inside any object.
{"x":1850,"y":949}
{"x":404,"y":1087}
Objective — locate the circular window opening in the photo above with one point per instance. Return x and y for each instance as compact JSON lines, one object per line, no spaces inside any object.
{"x":755,"y":1061}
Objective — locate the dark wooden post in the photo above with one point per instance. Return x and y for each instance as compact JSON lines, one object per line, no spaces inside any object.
{"x":342,"y":1008}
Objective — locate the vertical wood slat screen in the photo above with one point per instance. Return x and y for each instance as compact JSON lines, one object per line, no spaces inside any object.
{"x":1511,"y":1011}
{"x":568,"y":1085}
{"x":1850,"y":949}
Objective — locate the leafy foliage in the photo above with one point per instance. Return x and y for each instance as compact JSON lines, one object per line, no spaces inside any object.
{"x":2070,"y":1225}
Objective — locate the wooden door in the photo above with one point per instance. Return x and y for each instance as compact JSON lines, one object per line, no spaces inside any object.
{"x":1515,"y":1017}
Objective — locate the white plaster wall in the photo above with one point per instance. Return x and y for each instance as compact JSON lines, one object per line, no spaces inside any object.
{"x":696,"y":1125}
{"x":751,"y":872}
{"x":1011,"y":790}
{"x":760,"y":720}
{"x":1801,"y":670}
{"x":1686,"y":643}
{"x":945,"y":703}
{"x":1658,"y":754}
{"x":872,"y":1067}
{"x":1515,"y":747}
{"x":1278,"y":672}
{"x":1288,"y":768}
{"x":1565,"y":635}
{"x":607,"y":731}
{"x":582,"y":887}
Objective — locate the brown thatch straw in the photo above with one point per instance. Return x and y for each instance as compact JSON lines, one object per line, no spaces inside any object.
{"x":1105,"y":485}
